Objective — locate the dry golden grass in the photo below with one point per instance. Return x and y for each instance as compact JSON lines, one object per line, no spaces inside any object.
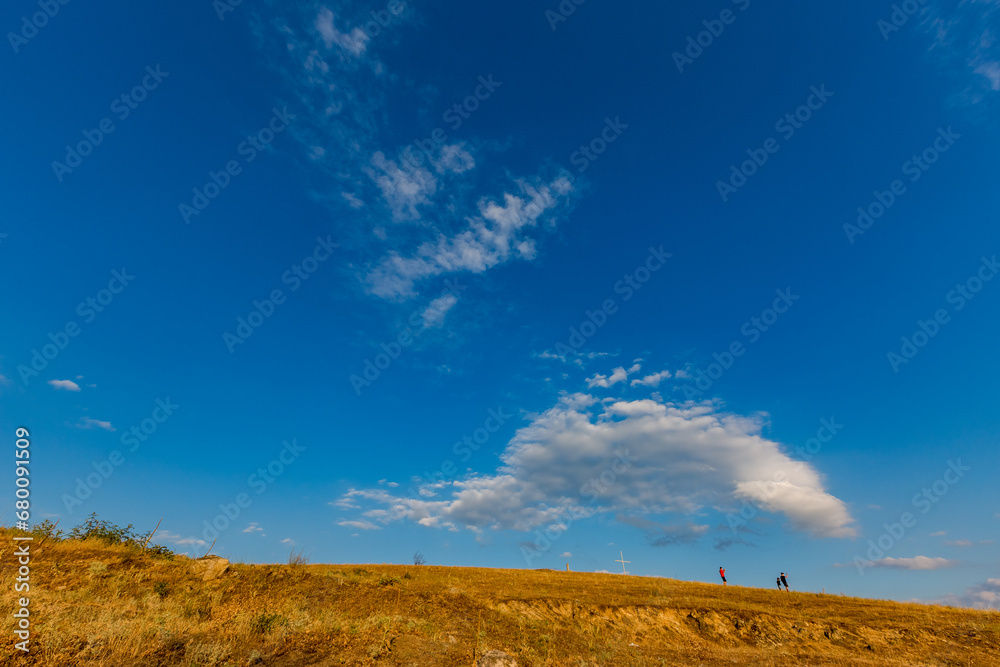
{"x":97,"y":605}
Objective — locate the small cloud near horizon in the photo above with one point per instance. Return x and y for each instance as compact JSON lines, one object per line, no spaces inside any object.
{"x":88,"y":423}
{"x":66,"y":385}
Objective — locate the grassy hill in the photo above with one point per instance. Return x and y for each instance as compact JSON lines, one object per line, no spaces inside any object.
{"x":94,"y":603}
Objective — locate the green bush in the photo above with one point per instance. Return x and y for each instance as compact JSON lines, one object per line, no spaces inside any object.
{"x":47,"y":529}
{"x":105,"y":531}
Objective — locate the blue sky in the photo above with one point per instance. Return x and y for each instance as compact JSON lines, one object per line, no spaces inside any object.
{"x":514,"y":285}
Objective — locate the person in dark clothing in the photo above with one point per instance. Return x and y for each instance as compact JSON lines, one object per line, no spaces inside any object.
{"x":722,"y":573}
{"x":778,"y":579}
{"x":784,"y":581}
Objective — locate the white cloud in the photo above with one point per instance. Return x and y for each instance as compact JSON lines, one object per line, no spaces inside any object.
{"x":985,"y":595}
{"x":435,"y":313}
{"x":87,"y":422}
{"x":653,"y":380}
{"x":288,"y":540}
{"x":617,"y":375}
{"x":403,"y":188}
{"x":345,"y":503}
{"x":67,"y":385}
{"x":990,"y":70}
{"x":939,"y":533}
{"x":578,"y":358}
{"x":351,"y":200}
{"x":967,"y":543}
{"x":360,"y":525}
{"x":681,"y":459}
{"x":254,"y":527}
{"x":914,"y":563}
{"x":354,"y":42}
{"x":454,"y":158}
{"x":566,"y":554}
{"x":494,"y":236}
{"x":179,"y":540}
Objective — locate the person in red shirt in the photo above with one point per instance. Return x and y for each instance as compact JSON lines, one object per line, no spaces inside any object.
{"x":722,"y":573}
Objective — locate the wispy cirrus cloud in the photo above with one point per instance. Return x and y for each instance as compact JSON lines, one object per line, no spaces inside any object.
{"x":179,"y":540}
{"x":360,"y":525}
{"x":88,"y":423}
{"x":964,"y":42}
{"x":430,"y":208}
{"x":914,"y":563}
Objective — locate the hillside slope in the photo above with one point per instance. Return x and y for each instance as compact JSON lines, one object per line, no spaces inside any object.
{"x":94,"y":604}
